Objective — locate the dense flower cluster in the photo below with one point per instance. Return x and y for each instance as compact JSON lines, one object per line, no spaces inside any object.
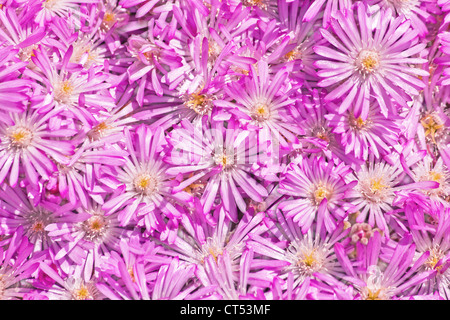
{"x":225,"y":149}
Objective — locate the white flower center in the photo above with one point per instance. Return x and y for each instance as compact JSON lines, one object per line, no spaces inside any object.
{"x":367,"y":61}
{"x":146,"y":184}
{"x":95,"y":227}
{"x":200,"y":103}
{"x":260,"y":112}
{"x":19,"y":137}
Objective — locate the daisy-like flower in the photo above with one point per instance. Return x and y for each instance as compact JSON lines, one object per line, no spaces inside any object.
{"x":17,"y":210}
{"x":152,"y":60}
{"x":432,"y":238}
{"x":80,"y":92}
{"x":366,"y":60}
{"x":126,"y":274}
{"x":376,"y":279}
{"x":75,"y":178}
{"x":224,"y":155}
{"x":319,"y":138}
{"x":373,"y":196}
{"x":232,"y":283}
{"x":319,"y":192}
{"x":144,"y":186}
{"x":414,"y":10}
{"x":375,"y":135}
{"x":298,"y":54}
{"x":209,"y":236}
{"x":434,"y":170}
{"x":88,"y":232}
{"x":291,"y":253}
{"x":64,"y":8}
{"x":265,"y":100}
{"x":76,"y":283}
{"x":28,"y":146}
{"x":17,"y":264}
{"x":330,"y":9}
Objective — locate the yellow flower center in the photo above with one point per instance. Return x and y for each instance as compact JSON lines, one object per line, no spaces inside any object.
{"x":436,"y":176}
{"x":82,"y":293}
{"x":200,"y":103}
{"x":432,"y":126}
{"x":376,"y":185}
{"x":20,"y":137}
{"x":373,"y":295}
{"x":320,"y":193}
{"x":145,"y":184}
{"x":368,"y":61}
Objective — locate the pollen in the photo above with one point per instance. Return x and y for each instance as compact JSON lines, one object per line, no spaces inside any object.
{"x":64,"y":91}
{"x":436,"y":176}
{"x":357,"y":123}
{"x":433,"y":126}
{"x":319,"y":194}
{"x":20,"y":137}
{"x":373,"y":295}
{"x":368,"y":61}
{"x":224,"y":160}
{"x":98,"y":131}
{"x":38,"y":227}
{"x":292,"y":55}
{"x":82,"y":293}
{"x":250,"y":3}
{"x":200,"y":103}
{"x":146,"y":184}
{"x":260,"y":112}
{"x":376,"y":185}
{"x":436,"y":254}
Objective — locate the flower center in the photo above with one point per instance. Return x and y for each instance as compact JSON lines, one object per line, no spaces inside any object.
{"x":95,"y":227}
{"x":368,"y":61}
{"x":292,"y":55}
{"x":200,"y":103}
{"x":250,"y":3}
{"x":436,"y":254}
{"x":37,"y":221}
{"x":375,"y":189}
{"x":320,"y":193}
{"x":98,"y":131}
{"x":82,"y":293}
{"x":433,"y":126}
{"x":260,"y":112}
{"x":20,"y":137}
{"x":357,"y":123}
{"x":64,"y":91}
{"x":376,"y":185}
{"x":306,"y":258}
{"x":146,"y":184}
{"x":436,"y":176}
{"x":226,"y":161}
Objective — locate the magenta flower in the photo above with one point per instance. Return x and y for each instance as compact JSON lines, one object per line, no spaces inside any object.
{"x":394,"y":280}
{"x":222,"y":155}
{"x":319,"y":193}
{"x":145,"y":189}
{"x":265,"y":101}
{"x":374,"y":135}
{"x":363,"y":62}
{"x":296,"y":256}
{"x":28,"y":146}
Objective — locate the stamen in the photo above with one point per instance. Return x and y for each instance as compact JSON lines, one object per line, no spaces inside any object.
{"x":20,"y":137}
{"x":367,"y":61}
{"x":260,"y":112}
{"x":146,"y":184}
{"x":200,"y":103}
